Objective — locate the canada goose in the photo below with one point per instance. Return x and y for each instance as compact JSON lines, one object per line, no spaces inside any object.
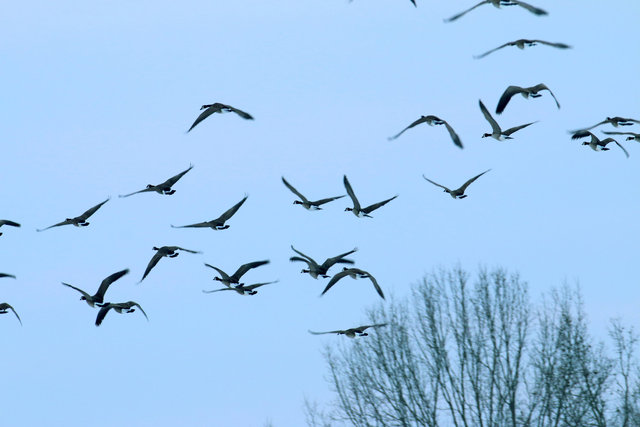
{"x":524,"y":91}
{"x":314,"y":269}
{"x":162,"y":188}
{"x":458,"y":193}
{"x":242,"y":289}
{"x":308,"y":205}
{"x":79,"y":220}
{"x":7,"y":222}
{"x":170,"y":251}
{"x":498,"y":133}
{"x":209,"y":109}
{"x":633,"y":137}
{"x":615,"y":121}
{"x":432,"y":120}
{"x":99,"y":295}
{"x":356,"y":209}
{"x":351,"y":333}
{"x":7,"y":275}
{"x":119,"y":307}
{"x":218,"y":223}
{"x":354,"y":273}
{"x":521,"y":43}
{"x":3,"y":310}
{"x":235,"y":277}
{"x":498,"y":3}
{"x":596,"y":144}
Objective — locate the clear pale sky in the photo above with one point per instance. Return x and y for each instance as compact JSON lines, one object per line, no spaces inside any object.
{"x":97,"y":97}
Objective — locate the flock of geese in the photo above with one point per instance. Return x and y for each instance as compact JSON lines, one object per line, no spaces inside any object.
{"x":232,"y":282}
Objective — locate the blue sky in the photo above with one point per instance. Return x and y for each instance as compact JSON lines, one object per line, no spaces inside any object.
{"x":97,"y":99}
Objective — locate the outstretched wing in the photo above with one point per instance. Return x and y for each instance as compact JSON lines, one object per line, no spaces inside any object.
{"x":294,"y":191}
{"x":187,"y":250}
{"x":224,"y":275}
{"x":492,"y":50}
{"x":154,"y":260}
{"x":86,"y":295}
{"x":5,"y":306}
{"x":621,"y":133}
{"x":102,"y":313}
{"x":454,"y":136}
{"x":583,"y":134}
{"x":197,"y":225}
{"x":7,"y":275}
{"x":517,"y":128}
{"x":171,"y":181}
{"x":335,"y":280}
{"x":338,"y":258}
{"x":144,"y":190}
{"x":241,"y":113}
{"x":365,"y":327}
{"x":626,"y":153}
{"x":506,"y":97}
{"x":494,"y":125}
{"x":558,"y":45}
{"x":354,"y":199}
{"x":214,"y":108}
{"x":454,"y":17}
{"x":375,"y":206}
{"x":328,"y":332}
{"x":308,"y":259}
{"x":297,"y":258}
{"x":230,"y":212}
{"x":91,"y":211}
{"x":327,"y":200}
{"x":257,"y":285}
{"x":466,"y":184}
{"x":416,"y":123}
{"x":246,"y":267}
{"x":542,"y":86}
{"x":218,"y":290}
{"x":532,"y":9}
{"x":436,"y":184}
{"x":65,"y":222}
{"x":8,"y":222}
{"x":140,"y":307}
{"x":108,"y":281}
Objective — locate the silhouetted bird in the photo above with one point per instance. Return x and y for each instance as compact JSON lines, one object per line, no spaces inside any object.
{"x":104,"y":285}
{"x":459,"y":192}
{"x":352,"y":332}
{"x":498,"y":133}
{"x":162,"y":188}
{"x":314,"y":269}
{"x":119,"y":307}
{"x":596,"y":143}
{"x":235,"y":277}
{"x":242,"y":289}
{"x":525,"y":92}
{"x":79,"y":220}
{"x":354,"y":273}
{"x":432,"y":120}
{"x":218,"y":223}
{"x":521,"y":43}
{"x":209,"y":109}
{"x":170,"y":251}
{"x":307,"y":204}
{"x":357,"y":210}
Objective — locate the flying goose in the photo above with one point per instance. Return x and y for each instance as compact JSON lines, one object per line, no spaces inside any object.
{"x":356,"y":209}
{"x":79,"y":220}
{"x":615,"y":121}
{"x":596,"y":144}
{"x":354,"y":273}
{"x":633,"y":137}
{"x":242,"y":289}
{"x":119,"y":307}
{"x":209,"y":109}
{"x":498,"y":133}
{"x":498,"y":3}
{"x":218,"y":223}
{"x":432,"y":120}
{"x":99,"y":295}
{"x":525,"y":92}
{"x":521,"y":43}
{"x":3,"y":310}
{"x":7,"y":275}
{"x":235,"y":277}
{"x":162,"y":188}
{"x":7,"y":222}
{"x":307,"y":204}
{"x":169,"y":251}
{"x":351,"y":333}
{"x":459,"y":192}
{"x":314,"y":269}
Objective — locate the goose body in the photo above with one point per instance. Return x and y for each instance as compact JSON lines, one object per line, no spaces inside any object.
{"x":218,"y":223}
{"x":79,"y":221}
{"x":314,"y":269}
{"x":162,"y":188}
{"x":431,"y":121}
{"x":498,"y":3}
{"x":596,"y":143}
{"x":526,"y":92}
{"x":497,"y":133}
{"x":242,"y":289}
{"x":217,"y":107}
{"x":98,"y":297}
{"x":351,"y":332}
{"x":357,"y":210}
{"x":354,"y":273}
{"x":164,"y":251}
{"x":8,"y":222}
{"x":120,"y":307}
{"x":307,"y":204}
{"x":3,"y":310}
{"x":458,"y":193}
{"x":229,"y":280}
{"x":522,"y":43}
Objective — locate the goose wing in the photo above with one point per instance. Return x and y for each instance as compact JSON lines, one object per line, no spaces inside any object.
{"x":622,"y":133}
{"x":454,"y":136}
{"x":218,"y":290}
{"x":294,"y":191}
{"x":308,"y":259}
{"x":375,"y":206}
{"x":516,"y":128}
{"x":363,"y":328}
{"x":102,"y":313}
{"x":464,"y":12}
{"x":327,"y":200}
{"x":171,"y":181}
{"x":246,"y":267}
{"x":436,"y":184}
{"x":7,"y":222}
{"x":144,"y":190}
{"x":65,"y":222}
{"x":583,"y":134}
{"x":135,"y":304}
{"x":231,"y":211}
{"x":91,"y":211}
{"x":375,"y":283}
{"x":354,"y":199}
{"x":532,"y":9}
{"x":5,"y":306}
{"x":213,"y":108}
{"x":416,"y":123}
{"x":506,"y":97}
{"x":340,"y":331}
{"x":86,"y":295}
{"x":493,"y":50}
{"x":542,"y":86}
{"x":224,"y":275}
{"x":329,"y":262}
{"x":175,"y":248}
{"x":626,"y":153}
{"x":257,"y":285}
{"x":558,"y":45}
{"x":154,"y":260}
{"x":241,"y":113}
{"x":495,"y":127}
{"x":104,"y":285}
{"x":197,"y":225}
{"x":466,"y":184}
{"x":297,"y":258}
{"x":335,"y":280}
{"x":7,"y":275}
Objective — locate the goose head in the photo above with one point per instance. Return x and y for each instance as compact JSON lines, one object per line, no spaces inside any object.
{"x":150,"y":185}
{"x":630,"y":138}
{"x":155,"y":248}
{"x":486,"y":135}
{"x":348,"y":209}
{"x":304,"y":270}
